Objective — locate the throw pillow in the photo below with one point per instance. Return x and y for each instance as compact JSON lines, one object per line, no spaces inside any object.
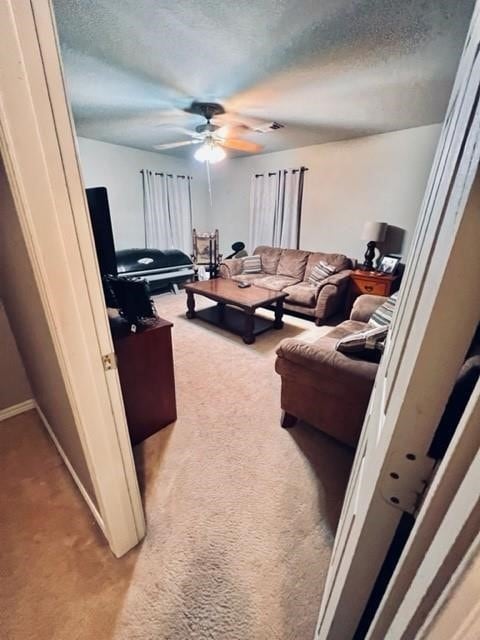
{"x":382,"y":316}
{"x":321,"y":271}
{"x":252,"y":264}
{"x":364,"y":341}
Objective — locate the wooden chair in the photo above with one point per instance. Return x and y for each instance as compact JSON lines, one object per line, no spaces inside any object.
{"x":206,"y":252}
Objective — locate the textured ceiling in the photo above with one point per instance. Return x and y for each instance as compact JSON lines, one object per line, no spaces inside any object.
{"x":326,"y":69}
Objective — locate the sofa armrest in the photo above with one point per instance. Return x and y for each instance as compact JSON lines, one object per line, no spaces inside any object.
{"x":364,"y":306}
{"x":231,"y":267}
{"x":340,"y":279}
{"x":326,"y":361}
{"x":331,"y":294}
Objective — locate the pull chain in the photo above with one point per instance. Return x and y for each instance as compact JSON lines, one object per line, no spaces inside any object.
{"x":209,"y":182}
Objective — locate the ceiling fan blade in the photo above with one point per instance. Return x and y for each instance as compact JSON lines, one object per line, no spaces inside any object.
{"x":240,"y":145}
{"x":238,"y":119}
{"x":227,"y":130}
{"x":184,"y":130}
{"x":174,"y":145}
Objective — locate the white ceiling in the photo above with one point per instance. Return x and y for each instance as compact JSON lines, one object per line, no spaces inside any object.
{"x":327,"y":69}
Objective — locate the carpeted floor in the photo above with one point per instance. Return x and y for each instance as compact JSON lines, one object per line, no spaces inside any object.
{"x":241,"y":513}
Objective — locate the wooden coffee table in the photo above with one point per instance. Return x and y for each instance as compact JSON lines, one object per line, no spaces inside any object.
{"x":235,"y":308}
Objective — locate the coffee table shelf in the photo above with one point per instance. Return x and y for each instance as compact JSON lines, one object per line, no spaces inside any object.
{"x":232,"y":319}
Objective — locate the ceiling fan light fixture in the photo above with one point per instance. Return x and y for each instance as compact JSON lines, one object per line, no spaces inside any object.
{"x":210,"y":152}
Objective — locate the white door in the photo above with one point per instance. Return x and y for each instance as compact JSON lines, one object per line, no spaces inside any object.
{"x":445,"y":533}
{"x":437,"y":312}
{"x":38,"y":147}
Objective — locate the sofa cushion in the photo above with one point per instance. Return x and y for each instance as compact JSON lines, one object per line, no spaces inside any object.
{"x":321,"y":271}
{"x":292,"y":263}
{"x":303,"y":293}
{"x":345,"y":328}
{"x":270,"y":257}
{"x":276,"y":283}
{"x":382,"y":316}
{"x":248,"y":277}
{"x":337,"y":260}
{"x":252,"y":264}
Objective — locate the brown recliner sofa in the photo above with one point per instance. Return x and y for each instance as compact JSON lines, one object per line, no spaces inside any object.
{"x":324,"y":387}
{"x":288,"y":270}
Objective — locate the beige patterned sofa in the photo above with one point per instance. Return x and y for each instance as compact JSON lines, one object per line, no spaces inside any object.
{"x":288,"y":270}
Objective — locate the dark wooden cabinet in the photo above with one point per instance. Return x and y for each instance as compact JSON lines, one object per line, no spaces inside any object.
{"x":145,"y":367}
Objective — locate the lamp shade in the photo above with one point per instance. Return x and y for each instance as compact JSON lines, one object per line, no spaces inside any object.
{"x":374,"y":231}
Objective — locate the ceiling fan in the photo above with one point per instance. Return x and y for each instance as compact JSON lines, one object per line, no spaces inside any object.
{"x":213,"y":136}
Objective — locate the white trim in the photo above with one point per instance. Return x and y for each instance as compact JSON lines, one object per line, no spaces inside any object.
{"x":460,"y":581}
{"x":45,"y":31}
{"x":72,"y":471}
{"x":15,"y":409}
{"x":450,"y":544}
{"x":451,"y":472}
{"x":414,"y":379}
{"x":38,"y":150}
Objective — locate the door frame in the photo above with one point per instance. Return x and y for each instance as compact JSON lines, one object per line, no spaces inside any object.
{"x":404,"y":420}
{"x":456,"y":614}
{"x":433,"y":565}
{"x":37,"y":143}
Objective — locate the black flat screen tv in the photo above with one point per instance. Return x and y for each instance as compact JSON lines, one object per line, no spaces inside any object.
{"x":97,"y":199}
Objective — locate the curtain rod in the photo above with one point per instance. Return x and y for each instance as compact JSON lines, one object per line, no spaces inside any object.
{"x":274,"y":173}
{"x":169,"y":175}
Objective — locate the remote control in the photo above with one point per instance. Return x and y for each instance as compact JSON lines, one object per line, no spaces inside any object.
{"x":243,"y":285}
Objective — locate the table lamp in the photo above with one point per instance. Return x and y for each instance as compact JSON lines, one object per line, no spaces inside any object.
{"x":373,"y":232}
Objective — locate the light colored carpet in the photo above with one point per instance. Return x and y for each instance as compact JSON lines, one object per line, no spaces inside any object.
{"x":241,"y":513}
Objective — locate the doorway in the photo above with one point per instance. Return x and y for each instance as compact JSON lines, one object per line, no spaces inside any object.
{"x":45,"y":191}
{"x":20,"y":154}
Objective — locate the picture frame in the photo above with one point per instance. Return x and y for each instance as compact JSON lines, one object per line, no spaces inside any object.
{"x":389,"y":264}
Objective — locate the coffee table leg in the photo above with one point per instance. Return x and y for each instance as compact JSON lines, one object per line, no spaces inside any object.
{"x":190,"y":305}
{"x":221,"y":311}
{"x":278,"y":323}
{"x":249,"y":337}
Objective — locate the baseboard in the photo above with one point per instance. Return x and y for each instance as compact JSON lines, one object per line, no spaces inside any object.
{"x":15,"y":409}
{"x":72,"y":471}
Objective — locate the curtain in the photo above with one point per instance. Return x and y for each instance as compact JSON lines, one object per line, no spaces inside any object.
{"x":167,"y":204}
{"x":275,"y":208}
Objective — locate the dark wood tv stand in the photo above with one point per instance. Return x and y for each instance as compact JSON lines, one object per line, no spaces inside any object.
{"x":145,"y":367}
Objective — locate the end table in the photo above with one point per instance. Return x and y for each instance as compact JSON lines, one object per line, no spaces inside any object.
{"x":372,"y":282}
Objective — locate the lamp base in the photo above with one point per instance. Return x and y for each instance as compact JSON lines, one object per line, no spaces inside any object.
{"x":369,"y":256}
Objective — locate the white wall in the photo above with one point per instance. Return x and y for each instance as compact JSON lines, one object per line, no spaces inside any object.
{"x":14,"y":384}
{"x":381,"y":177}
{"x":118,"y":169}
{"x":25,"y":310}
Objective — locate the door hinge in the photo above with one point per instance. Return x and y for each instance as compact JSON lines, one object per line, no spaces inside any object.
{"x":109,"y":361}
{"x":406,"y":478}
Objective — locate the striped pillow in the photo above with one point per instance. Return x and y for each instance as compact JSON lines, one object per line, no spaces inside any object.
{"x":252,"y":264}
{"x":365,"y":340}
{"x":382,"y":316}
{"x":321,"y":271}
